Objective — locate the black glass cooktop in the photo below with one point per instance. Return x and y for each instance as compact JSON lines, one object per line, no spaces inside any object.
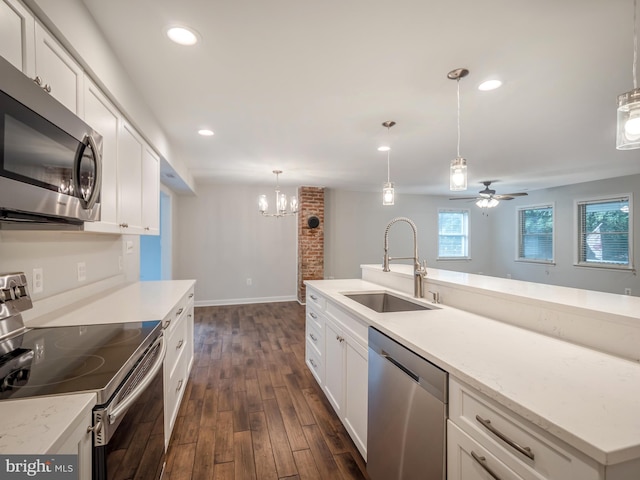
{"x":59,"y":360}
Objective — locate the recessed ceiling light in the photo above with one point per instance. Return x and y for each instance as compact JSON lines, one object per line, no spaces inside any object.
{"x":489,"y":85}
{"x":384,"y":148}
{"x":205,"y":133}
{"x":182,"y":35}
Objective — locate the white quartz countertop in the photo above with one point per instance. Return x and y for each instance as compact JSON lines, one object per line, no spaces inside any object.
{"x":135,"y":302}
{"x":588,"y":399}
{"x":42,"y":424}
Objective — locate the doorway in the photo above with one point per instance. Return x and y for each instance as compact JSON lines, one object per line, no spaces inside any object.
{"x":155,"y":250}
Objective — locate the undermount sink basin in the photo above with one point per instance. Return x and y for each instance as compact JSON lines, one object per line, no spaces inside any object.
{"x":383,"y":302}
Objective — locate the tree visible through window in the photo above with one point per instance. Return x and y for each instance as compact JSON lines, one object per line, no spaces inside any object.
{"x":535,"y":233}
{"x":453,"y":234}
{"x":603,"y":227}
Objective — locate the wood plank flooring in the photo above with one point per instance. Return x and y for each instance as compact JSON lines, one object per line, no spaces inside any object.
{"x":252,"y":409}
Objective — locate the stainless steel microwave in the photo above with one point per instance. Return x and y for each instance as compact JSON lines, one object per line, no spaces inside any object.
{"x":50,"y":160}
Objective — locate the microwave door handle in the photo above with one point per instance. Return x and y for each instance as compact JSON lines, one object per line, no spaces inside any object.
{"x":97,"y":183}
{"x":121,"y":408}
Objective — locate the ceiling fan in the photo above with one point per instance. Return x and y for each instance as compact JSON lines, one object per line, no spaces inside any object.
{"x":487,"y":198}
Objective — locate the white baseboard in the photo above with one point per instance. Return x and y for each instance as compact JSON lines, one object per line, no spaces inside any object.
{"x":244,"y":301}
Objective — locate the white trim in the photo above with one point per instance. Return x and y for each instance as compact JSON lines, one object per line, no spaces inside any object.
{"x":518,"y":258}
{"x":245,"y":301}
{"x":576,"y":233}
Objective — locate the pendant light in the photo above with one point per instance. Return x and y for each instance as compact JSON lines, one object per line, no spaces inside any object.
{"x":458,"y":169}
{"x":281,"y":202}
{"x":628,"y":130}
{"x":388,"y":192}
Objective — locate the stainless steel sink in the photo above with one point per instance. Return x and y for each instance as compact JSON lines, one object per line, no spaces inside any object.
{"x":383,"y":302}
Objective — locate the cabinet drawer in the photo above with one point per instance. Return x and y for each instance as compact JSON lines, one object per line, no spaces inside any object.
{"x":178,"y":311}
{"x":314,"y":362}
{"x":314,"y":298}
{"x":530,"y":452}
{"x":315,"y":338}
{"x":468,"y":460}
{"x":174,"y":388}
{"x":176,"y":343}
{"x":315,"y":317}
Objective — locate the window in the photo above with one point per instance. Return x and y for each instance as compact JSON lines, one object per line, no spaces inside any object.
{"x":453,"y":234}
{"x":604,"y":232}
{"x":535,"y":234}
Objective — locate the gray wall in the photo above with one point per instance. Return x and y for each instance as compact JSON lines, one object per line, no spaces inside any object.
{"x":356,"y":221}
{"x":564,"y":272}
{"x":222,"y":240}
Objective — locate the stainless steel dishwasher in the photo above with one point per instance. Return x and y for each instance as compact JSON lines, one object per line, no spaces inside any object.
{"x":407,"y":417}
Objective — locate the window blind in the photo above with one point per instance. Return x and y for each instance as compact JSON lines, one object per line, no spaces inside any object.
{"x":535,"y":233}
{"x":603,"y":229}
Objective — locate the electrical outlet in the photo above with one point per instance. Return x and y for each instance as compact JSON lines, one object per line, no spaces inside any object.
{"x":37,"y":280}
{"x":82,"y":271}
{"x":627,"y":291}
{"x":249,"y":282}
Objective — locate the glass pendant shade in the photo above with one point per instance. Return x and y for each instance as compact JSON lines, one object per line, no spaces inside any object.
{"x":293,"y":204}
{"x":458,"y":174}
{"x":388,"y":194}
{"x":628,"y":130}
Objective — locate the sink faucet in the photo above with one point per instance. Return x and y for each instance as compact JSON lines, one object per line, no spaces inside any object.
{"x":420,"y":270}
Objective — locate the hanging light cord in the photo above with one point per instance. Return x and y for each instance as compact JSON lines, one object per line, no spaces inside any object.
{"x":388,"y":155}
{"x":458,"y":84}
{"x":635,"y":44}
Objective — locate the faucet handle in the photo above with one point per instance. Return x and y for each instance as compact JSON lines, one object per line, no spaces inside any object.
{"x":422,"y":268}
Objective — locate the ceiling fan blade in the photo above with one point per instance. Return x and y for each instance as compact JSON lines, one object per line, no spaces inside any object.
{"x":463,"y":198}
{"x":519,"y":194}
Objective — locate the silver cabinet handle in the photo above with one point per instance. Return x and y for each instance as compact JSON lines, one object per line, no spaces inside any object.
{"x":313,"y":363}
{"x":37,"y":80}
{"x":339,"y":338}
{"x":313,"y":297}
{"x":191,"y":295}
{"x":47,"y":88}
{"x":146,"y":229}
{"x":523,"y":450}
{"x":180,"y":343}
{"x":179,"y":387}
{"x":313,"y":315}
{"x":166,"y":324}
{"x":124,"y":225}
{"x":313,"y":337}
{"x":483,"y":463}
{"x":179,"y":312}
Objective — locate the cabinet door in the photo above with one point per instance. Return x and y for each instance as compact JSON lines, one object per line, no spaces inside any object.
{"x":17,"y":36}
{"x":356,"y":391}
{"x":80,"y":443}
{"x":59,"y":71}
{"x":105,"y":119}
{"x":150,"y":192}
{"x":130,"y":147}
{"x":468,"y":460}
{"x":334,"y":366}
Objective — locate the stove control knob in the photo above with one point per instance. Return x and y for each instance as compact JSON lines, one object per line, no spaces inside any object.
{"x":6,"y":294}
{"x":16,"y":292}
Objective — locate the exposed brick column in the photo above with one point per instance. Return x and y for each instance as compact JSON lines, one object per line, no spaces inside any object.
{"x":310,"y":240}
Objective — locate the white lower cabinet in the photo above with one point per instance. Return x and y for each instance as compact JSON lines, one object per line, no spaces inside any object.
{"x":338,"y":359}
{"x":511,"y":444}
{"x":178,"y":330}
{"x":80,"y":442}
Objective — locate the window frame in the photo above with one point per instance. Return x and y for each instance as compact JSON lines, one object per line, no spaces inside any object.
{"x":578,"y":261}
{"x":519,"y":209}
{"x":466,"y":234}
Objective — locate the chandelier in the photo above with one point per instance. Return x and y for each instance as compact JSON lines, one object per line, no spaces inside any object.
{"x":281,"y":202}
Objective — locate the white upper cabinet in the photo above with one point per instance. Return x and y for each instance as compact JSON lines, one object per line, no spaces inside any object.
{"x":102,"y":116}
{"x":17,"y":36}
{"x":130,"y":147}
{"x":150,"y":191}
{"x":58,"y":72}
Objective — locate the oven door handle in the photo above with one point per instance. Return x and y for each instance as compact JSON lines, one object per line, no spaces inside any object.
{"x":121,"y":408}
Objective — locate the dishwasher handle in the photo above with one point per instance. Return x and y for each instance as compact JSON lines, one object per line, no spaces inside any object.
{"x":386,"y":356}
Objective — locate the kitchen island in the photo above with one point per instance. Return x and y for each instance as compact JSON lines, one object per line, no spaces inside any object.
{"x":581,"y":398}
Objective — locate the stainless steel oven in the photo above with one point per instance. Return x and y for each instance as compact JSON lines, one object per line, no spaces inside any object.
{"x":50,"y":160}
{"x":122,"y":363}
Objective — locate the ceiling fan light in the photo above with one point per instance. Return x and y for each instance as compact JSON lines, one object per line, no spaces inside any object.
{"x":628,"y":129}
{"x":458,"y":174}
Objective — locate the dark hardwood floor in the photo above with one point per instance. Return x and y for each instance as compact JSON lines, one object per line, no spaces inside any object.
{"x":252,"y":409}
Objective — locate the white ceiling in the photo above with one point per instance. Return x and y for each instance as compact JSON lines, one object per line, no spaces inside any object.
{"x":304,"y":86}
